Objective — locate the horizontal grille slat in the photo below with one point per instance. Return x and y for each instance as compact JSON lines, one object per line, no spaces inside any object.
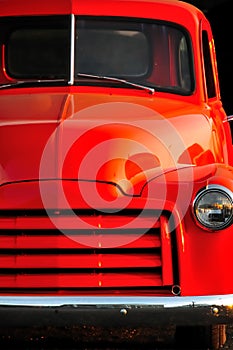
{"x":80,"y":280}
{"x":80,"y":261}
{"x":32,"y":240}
{"x":82,"y":222}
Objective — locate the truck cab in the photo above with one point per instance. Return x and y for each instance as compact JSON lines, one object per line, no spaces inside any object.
{"x":116,"y":174}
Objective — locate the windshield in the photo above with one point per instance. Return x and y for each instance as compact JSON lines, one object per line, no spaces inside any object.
{"x":154,"y":54}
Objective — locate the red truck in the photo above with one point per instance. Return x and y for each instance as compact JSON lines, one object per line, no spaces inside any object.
{"x":116,"y":178}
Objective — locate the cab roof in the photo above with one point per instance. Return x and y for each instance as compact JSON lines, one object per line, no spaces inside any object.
{"x":172,"y":10}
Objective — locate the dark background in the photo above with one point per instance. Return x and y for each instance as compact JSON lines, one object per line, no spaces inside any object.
{"x":220,"y":16}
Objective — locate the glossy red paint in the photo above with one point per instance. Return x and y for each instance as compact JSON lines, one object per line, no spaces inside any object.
{"x":98,"y":180}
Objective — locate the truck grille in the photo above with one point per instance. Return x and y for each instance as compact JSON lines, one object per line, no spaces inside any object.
{"x":128,"y":250}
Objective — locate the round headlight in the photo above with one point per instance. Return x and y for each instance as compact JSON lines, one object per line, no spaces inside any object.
{"x":213,"y":207}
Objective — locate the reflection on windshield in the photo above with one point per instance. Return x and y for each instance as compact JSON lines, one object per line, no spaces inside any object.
{"x":144,"y":53}
{"x":112,"y":52}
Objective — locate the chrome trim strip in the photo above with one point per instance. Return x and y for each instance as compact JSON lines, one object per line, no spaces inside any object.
{"x":111,"y":301}
{"x":228,"y":119}
{"x":72,"y":38}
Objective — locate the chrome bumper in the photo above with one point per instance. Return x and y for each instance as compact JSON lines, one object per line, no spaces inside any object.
{"x":115,"y":311}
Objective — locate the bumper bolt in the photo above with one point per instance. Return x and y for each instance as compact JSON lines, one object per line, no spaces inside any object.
{"x":123,"y":312}
{"x":215,"y":310}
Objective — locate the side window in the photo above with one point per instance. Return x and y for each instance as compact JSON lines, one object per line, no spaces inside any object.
{"x":209,"y":73}
{"x":184,"y":65}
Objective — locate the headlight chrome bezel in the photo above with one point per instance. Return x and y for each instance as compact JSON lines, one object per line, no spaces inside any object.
{"x":222,"y":214}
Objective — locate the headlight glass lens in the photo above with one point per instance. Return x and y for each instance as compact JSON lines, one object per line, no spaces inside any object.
{"x":213,"y":208}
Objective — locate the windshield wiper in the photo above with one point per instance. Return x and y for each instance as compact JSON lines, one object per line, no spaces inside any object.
{"x":123,"y":81}
{"x":31,"y":81}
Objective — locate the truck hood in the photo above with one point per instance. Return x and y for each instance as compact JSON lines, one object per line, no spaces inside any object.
{"x":96,"y":137}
